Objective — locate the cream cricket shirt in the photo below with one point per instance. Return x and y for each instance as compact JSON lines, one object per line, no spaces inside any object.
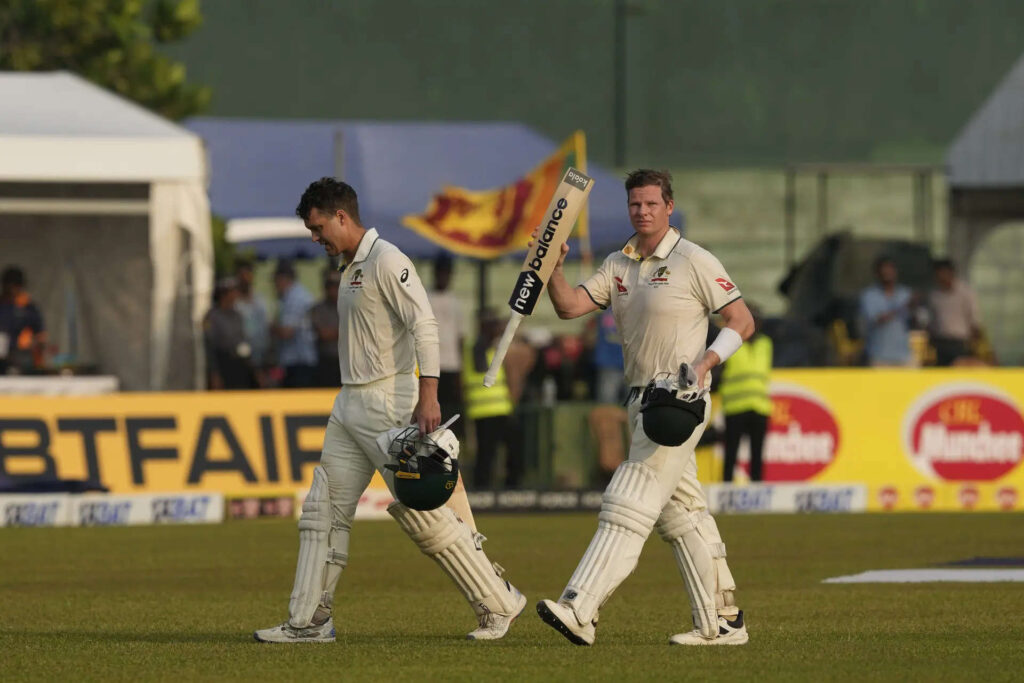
{"x":385,"y":322}
{"x":661,"y":303}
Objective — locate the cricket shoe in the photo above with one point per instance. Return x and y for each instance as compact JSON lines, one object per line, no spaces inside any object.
{"x":494,"y":626}
{"x":563,"y":619}
{"x":729,"y":633}
{"x":286,"y":633}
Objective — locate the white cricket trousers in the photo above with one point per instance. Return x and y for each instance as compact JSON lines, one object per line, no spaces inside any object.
{"x":676,"y":466}
{"x":656,"y":485}
{"x":350,"y":455}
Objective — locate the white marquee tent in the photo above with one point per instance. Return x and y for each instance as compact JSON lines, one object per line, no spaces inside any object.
{"x":103,"y":205}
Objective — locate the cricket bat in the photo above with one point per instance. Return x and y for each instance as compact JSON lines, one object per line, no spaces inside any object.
{"x":565,"y":206}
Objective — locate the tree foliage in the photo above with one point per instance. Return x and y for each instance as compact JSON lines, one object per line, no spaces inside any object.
{"x":110,"y":42}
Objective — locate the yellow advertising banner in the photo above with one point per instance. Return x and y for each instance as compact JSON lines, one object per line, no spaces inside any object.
{"x":936,"y":439}
{"x":235,"y":442}
{"x":932,"y":439}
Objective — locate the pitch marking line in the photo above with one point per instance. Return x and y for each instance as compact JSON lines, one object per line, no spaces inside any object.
{"x":932,"y":575}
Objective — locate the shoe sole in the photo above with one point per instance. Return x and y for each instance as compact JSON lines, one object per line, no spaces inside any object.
{"x":549,"y":618}
{"x":715,"y":641}
{"x":286,"y":642}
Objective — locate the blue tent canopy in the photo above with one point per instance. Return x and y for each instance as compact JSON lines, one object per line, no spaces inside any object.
{"x":259,"y":169}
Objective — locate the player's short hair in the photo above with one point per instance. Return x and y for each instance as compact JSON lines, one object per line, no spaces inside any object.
{"x":329,"y":195}
{"x":943,"y":264}
{"x":644,"y":177}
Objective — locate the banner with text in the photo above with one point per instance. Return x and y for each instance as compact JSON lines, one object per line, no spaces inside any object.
{"x":232,"y":442}
{"x":932,"y":439}
{"x":936,"y":439}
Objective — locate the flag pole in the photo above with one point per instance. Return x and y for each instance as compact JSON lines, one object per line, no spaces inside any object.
{"x":583,"y":224}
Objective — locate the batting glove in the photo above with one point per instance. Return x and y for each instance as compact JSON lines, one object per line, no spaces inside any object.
{"x":689,"y":390}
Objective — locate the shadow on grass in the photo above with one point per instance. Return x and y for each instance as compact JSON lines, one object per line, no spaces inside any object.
{"x":168,"y":637}
{"x":226,"y":637}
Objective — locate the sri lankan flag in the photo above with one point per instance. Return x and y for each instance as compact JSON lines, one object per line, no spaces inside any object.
{"x":489,"y":223}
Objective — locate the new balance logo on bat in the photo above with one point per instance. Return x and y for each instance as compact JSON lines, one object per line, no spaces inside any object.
{"x":526,"y":293}
{"x":549,"y":234}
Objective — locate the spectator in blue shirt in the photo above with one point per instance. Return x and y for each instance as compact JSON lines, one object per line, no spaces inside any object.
{"x":293,"y":329}
{"x":253,"y":308}
{"x":885,"y":313}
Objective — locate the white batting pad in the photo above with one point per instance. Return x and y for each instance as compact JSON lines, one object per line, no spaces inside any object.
{"x":440,"y":535}
{"x":629,"y":509}
{"x":700,"y":556}
{"x":318,"y":567}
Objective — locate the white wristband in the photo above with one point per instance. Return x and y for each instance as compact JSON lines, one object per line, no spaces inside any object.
{"x":726,"y":343}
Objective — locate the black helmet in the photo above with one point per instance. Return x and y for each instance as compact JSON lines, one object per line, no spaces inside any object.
{"x":667,"y":420}
{"x":426,"y":467}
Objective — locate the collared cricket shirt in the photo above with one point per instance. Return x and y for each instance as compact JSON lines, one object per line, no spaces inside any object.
{"x":661,"y":303}
{"x":385,"y":321}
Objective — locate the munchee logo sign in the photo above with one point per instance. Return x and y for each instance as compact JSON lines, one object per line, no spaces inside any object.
{"x":803,"y":435}
{"x":964,"y":432}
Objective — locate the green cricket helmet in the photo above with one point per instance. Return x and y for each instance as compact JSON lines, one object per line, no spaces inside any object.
{"x":426,"y":467}
{"x":667,"y":419}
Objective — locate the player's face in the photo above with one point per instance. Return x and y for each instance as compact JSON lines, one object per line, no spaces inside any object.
{"x":326,"y":230}
{"x":648,"y":211}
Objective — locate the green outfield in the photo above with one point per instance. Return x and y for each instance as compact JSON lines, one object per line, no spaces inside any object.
{"x":181,"y":603}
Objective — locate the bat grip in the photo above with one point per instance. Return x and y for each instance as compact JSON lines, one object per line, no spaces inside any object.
{"x":503,"y":344}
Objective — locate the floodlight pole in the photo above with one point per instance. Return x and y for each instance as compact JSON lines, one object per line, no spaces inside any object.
{"x":619,"y":22}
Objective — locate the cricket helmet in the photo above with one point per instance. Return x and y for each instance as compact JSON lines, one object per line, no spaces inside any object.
{"x":426,"y":467}
{"x":667,"y":419}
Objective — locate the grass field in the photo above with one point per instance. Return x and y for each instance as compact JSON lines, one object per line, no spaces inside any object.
{"x":161,"y":603}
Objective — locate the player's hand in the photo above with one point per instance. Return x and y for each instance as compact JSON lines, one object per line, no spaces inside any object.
{"x":561,"y":257}
{"x":427,"y":414}
{"x":691,"y":382}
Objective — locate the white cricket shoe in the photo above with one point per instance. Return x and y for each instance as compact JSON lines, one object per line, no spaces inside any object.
{"x":286,"y":633}
{"x":494,"y":626}
{"x":729,"y":633}
{"x":563,"y":619}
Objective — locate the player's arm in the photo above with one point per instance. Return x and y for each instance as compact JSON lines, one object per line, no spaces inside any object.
{"x":712,"y":286}
{"x":568,"y":301}
{"x":739,"y":326}
{"x":404,"y":293}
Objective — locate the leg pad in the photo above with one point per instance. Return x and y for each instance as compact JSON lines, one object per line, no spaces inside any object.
{"x":443,"y":537}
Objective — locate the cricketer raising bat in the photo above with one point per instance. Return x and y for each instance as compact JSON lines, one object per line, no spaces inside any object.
{"x":559,"y":218}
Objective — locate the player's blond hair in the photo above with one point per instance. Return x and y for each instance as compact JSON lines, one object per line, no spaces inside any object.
{"x":645,"y":177}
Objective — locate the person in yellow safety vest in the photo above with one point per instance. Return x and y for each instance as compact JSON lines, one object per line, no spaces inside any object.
{"x":489,"y":408}
{"x":745,"y":400}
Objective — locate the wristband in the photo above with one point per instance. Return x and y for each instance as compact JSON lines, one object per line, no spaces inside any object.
{"x":726,"y":343}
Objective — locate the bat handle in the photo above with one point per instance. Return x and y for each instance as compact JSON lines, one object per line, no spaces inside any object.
{"x":503,"y":344}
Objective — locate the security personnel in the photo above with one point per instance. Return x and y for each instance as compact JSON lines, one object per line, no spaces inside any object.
{"x":662,"y":289}
{"x":489,"y":408}
{"x":745,"y":400}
